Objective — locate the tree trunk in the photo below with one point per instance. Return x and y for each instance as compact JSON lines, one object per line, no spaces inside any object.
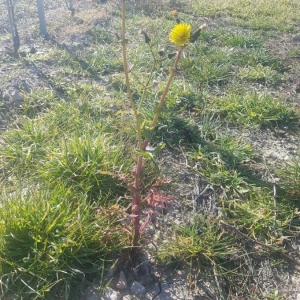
{"x":13,"y":26}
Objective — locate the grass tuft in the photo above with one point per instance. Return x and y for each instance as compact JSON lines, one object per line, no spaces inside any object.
{"x":51,"y":244}
{"x":254,"y":109}
{"x":87,"y":164}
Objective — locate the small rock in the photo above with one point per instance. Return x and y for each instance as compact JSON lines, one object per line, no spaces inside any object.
{"x":122,"y":283}
{"x":32,"y":50}
{"x":14,"y":83}
{"x":296,"y":38}
{"x":25,"y":86}
{"x":182,"y":273}
{"x":113,"y":268}
{"x":17,"y":98}
{"x":127,"y":297}
{"x":110,"y":294}
{"x":298,"y":296}
{"x":137,"y":288}
{"x":180,"y":295}
{"x":114,"y":108}
{"x":294,"y":279}
{"x":6,"y":96}
{"x":164,"y":286}
{"x":91,"y":294}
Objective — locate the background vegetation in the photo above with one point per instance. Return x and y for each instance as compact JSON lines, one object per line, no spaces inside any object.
{"x":67,"y":146}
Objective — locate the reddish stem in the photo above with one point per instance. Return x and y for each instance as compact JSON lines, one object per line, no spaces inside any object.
{"x":136,"y":202}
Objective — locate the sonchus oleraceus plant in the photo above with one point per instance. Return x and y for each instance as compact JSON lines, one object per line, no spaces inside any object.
{"x":181,"y":36}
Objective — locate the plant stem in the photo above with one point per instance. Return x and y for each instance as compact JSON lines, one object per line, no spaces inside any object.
{"x":163,"y":96}
{"x":136,"y":197}
{"x":136,"y":201}
{"x":135,"y":111}
{"x":165,"y":92}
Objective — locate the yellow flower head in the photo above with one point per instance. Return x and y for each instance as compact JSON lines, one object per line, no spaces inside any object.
{"x":180,"y":34}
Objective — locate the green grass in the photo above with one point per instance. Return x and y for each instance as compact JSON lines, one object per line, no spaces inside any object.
{"x":290,"y":175}
{"x":202,"y":241}
{"x":86,"y":163}
{"x":220,"y":57}
{"x":52,"y":241}
{"x":67,"y":159}
{"x":257,"y":14}
{"x":253,"y":109}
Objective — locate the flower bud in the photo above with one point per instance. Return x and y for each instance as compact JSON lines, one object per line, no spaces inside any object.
{"x":161,"y":52}
{"x":174,"y":13}
{"x":195,"y":35}
{"x":155,"y":85}
{"x":170,"y":55}
{"x":147,"y":39}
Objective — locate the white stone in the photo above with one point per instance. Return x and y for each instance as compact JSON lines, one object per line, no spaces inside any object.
{"x":137,"y":288}
{"x":110,"y":294}
{"x":122,"y":283}
{"x":298,"y":296}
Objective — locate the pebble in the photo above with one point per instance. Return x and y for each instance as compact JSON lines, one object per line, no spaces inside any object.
{"x":91,"y":294}
{"x":6,"y":96}
{"x":25,"y":86}
{"x":110,"y":294}
{"x":137,"y":288}
{"x":298,"y":296}
{"x":296,"y":38}
{"x":114,"y":108}
{"x":122,"y":283}
{"x":14,"y":83}
{"x":17,"y":98}
{"x":295,"y":280}
{"x":113,"y":268}
{"x":181,"y":273}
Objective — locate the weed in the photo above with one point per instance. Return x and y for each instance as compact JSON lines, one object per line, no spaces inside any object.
{"x":180,"y":36}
